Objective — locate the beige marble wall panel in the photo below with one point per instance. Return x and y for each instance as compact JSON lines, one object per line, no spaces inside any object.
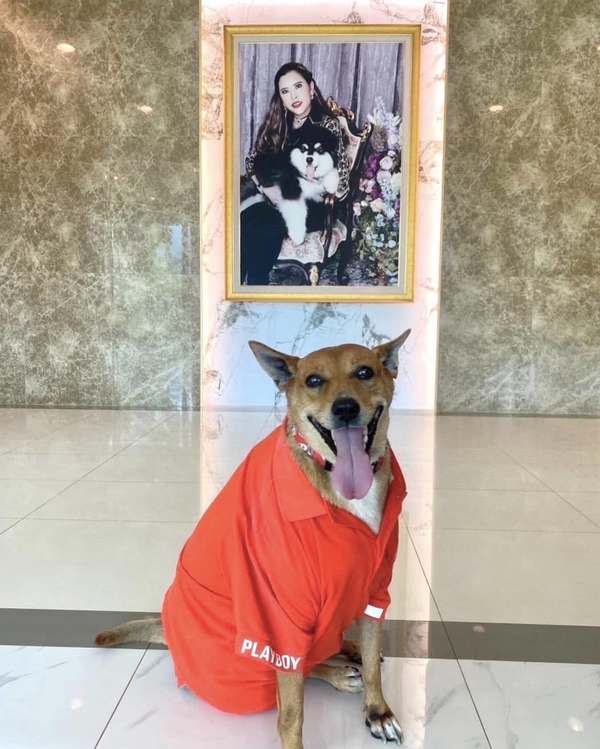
{"x":99,"y":268}
{"x":520,"y":262}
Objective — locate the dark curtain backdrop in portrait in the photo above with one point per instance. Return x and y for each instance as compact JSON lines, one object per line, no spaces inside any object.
{"x":354,"y":74}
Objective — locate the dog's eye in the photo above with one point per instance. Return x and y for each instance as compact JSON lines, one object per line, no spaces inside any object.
{"x":304,"y":148}
{"x":364,"y":373}
{"x":314,"y":381}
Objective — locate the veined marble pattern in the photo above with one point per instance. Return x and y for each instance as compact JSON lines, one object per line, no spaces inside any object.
{"x":230,"y":376}
{"x":99,"y":185}
{"x":521,"y":224}
{"x":536,"y":704}
{"x":429,"y":698}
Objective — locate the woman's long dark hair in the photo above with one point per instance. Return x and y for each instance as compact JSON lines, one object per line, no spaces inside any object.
{"x":273,"y":132}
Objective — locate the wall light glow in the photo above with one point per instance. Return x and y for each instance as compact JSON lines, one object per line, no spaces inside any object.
{"x":66,"y":49}
{"x":496,"y":108}
{"x":145,"y":108}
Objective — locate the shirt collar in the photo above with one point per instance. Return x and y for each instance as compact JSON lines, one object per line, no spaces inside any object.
{"x":298,"y":499}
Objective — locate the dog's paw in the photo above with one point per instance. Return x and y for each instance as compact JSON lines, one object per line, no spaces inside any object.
{"x":346,"y":679}
{"x":383,"y":724}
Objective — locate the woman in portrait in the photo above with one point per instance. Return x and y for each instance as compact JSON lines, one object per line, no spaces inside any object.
{"x":297,"y":102}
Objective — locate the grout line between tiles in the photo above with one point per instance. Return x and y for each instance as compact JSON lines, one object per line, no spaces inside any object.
{"x":116,"y":707}
{"x":458,"y":663}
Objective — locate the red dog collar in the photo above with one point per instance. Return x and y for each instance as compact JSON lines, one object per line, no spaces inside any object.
{"x":317,"y":457}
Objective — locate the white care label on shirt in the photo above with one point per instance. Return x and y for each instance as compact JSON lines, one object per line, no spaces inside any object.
{"x":373,"y":611}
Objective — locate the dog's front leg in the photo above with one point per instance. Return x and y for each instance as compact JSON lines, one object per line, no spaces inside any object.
{"x":380,"y":720}
{"x":290,"y":704}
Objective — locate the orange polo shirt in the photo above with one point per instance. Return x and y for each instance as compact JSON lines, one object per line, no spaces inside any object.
{"x":270,"y":579}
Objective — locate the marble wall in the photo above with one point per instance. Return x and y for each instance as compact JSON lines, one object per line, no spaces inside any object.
{"x":520,"y":302}
{"x":99,"y":266}
{"x":231,"y":377}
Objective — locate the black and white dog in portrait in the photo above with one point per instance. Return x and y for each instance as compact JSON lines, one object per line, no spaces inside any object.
{"x":304,"y":172}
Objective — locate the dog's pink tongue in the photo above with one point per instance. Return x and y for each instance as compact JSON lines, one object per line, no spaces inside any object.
{"x":351,"y":473}
{"x":310,"y":171}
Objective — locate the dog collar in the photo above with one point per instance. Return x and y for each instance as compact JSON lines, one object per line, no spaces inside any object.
{"x":317,"y":457}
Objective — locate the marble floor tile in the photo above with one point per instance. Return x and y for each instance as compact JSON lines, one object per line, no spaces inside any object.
{"x":474,"y":475}
{"x":537,"y":705}
{"x":41,"y":466}
{"x":409,"y":589}
{"x":565,"y":476}
{"x":508,"y":576}
{"x":427,"y":508}
{"x":139,"y":465}
{"x":106,"y":432}
{"x":429,"y":698}
{"x":126,"y":501}
{"x":60,"y":698}
{"x":18,"y":497}
{"x":57,"y":444}
{"x":79,"y":564}
{"x":23,"y":423}
{"x":586,"y":502}
{"x":7,"y":444}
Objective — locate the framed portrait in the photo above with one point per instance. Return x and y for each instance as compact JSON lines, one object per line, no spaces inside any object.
{"x":321,"y":162}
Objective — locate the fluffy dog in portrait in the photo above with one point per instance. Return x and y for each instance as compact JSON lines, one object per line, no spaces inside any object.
{"x":304,"y":171}
{"x":298,"y":545}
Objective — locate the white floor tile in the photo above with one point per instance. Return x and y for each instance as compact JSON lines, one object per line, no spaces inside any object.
{"x":429,"y":698}
{"x":508,"y":576}
{"x":586,"y":502}
{"x":440,"y":509}
{"x":409,"y":590}
{"x":72,"y":445}
{"x":29,"y":423}
{"x":60,"y":698}
{"x":537,"y":705}
{"x":126,"y":501}
{"x":43,"y":466}
{"x":490,"y":476}
{"x":566,"y":476}
{"x":7,"y":445}
{"x":78,"y":564}
{"x":6,"y":523}
{"x":18,"y":497}
{"x":139,"y":465}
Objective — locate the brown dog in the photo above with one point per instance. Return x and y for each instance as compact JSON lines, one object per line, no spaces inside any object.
{"x":274,"y":574}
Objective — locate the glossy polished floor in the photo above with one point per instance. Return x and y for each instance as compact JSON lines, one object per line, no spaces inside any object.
{"x":492,"y":640}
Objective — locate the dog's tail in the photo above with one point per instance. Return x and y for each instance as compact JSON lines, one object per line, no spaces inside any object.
{"x":138,"y":630}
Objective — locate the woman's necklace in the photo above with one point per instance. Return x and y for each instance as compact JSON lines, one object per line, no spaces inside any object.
{"x":300,"y":120}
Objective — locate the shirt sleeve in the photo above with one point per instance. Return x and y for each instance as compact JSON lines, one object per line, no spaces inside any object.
{"x":379,"y":597}
{"x":273,"y":623}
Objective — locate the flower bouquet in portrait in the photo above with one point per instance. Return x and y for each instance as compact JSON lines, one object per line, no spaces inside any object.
{"x":376,"y":207}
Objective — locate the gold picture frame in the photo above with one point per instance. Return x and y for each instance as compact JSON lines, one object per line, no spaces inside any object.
{"x":362,"y":221}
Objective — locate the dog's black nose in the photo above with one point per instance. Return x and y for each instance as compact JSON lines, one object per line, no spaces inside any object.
{"x":345,"y":409}
{"x":309,"y":159}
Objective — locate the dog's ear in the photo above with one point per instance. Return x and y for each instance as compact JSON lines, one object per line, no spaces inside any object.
{"x":280,"y":367}
{"x":388,"y":352}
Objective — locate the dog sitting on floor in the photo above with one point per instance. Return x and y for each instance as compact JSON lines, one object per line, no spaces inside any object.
{"x":298,"y":545}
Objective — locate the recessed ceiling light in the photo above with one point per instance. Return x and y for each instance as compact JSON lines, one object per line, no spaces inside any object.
{"x":65,"y":48}
{"x":496,"y":108}
{"x":145,"y":108}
